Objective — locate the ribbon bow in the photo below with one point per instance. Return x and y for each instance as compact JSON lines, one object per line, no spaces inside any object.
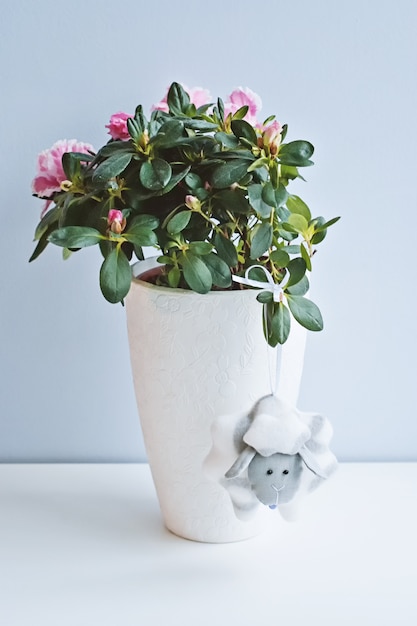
{"x":270,"y":285}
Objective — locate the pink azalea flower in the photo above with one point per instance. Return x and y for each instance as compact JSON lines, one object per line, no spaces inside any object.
{"x":118,"y":126}
{"x":198,"y":97}
{"x":244,"y":97}
{"x":50,"y":173}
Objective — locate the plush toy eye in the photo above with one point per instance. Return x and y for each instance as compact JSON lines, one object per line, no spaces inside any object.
{"x":285,"y":472}
{"x":269,"y":472}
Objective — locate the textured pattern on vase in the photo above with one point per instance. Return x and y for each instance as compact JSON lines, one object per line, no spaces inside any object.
{"x":195,"y":357}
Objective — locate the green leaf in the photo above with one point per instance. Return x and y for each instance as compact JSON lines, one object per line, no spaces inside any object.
{"x":196,"y":273}
{"x":233,"y":200}
{"x":229,"y":155}
{"x":41,"y":245}
{"x":155,"y":174}
{"x":164,"y":260}
{"x":298,"y":206}
{"x":70,"y":165}
{"x":297,"y":268}
{"x":202,"y":194}
{"x":305,"y":312}
{"x":280,"y":257}
{"x":220,"y":108}
{"x":240,"y":113}
{"x":82,"y":157}
{"x":290,"y":172}
{"x":241,"y":128}
{"x":175,"y":179}
{"x":177,"y":99}
{"x":262,"y":208}
{"x":282,"y":213}
{"x":306,"y":256}
{"x":256,"y":273}
{"x":193,"y":181}
{"x":297,"y":222}
{"x":168,"y":134}
{"x":226,"y":249}
{"x":134,"y":129}
{"x":197,"y":124}
{"x":296,"y":153}
{"x":200,"y":247}
{"x":115,"y":276}
{"x":220,"y":271}
{"x":112,"y":166}
{"x":149,"y":221}
{"x":287,"y":232}
{"x":265,"y":296}
{"x":75,"y":237}
{"x":261,"y":239}
{"x":268,"y":195}
{"x":141,"y":236}
{"x":174,"y":276}
{"x":226,"y":139}
{"x":140,"y":118}
{"x":280,"y":323}
{"x":327,"y":224}
{"x":300,"y":289}
{"x":180,"y":221}
{"x":281,"y":195}
{"x":292,"y":249}
{"x":50,"y":218}
{"x":273,"y":174}
{"x":228,"y":173}
{"x":113,"y":147}
{"x":258,"y":163}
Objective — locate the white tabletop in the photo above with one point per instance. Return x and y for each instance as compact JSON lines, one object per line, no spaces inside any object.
{"x":84,"y":545}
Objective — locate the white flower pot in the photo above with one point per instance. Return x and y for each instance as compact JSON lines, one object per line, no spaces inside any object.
{"x":195,"y":357}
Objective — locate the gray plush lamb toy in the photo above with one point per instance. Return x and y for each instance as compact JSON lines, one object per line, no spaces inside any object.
{"x":275,"y":454}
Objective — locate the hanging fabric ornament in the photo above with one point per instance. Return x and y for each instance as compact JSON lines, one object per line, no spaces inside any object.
{"x":274,"y":453}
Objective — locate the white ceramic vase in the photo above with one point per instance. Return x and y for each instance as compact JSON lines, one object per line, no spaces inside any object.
{"x":195,"y":357}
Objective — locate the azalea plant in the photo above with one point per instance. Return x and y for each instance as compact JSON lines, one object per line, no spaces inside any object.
{"x":204,"y":183}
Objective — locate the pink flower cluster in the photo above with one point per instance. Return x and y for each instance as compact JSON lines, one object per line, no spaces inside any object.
{"x":198,"y":96}
{"x":50,"y":173}
{"x":238,"y":98}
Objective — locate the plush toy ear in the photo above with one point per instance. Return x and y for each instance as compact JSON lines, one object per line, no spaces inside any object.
{"x":241,"y":463}
{"x":311,"y":462}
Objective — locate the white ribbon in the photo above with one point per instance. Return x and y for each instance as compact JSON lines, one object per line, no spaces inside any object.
{"x":270,"y":285}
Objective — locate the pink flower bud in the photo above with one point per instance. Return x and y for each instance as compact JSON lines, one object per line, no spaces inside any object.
{"x":192,"y":203}
{"x":116,"y":222}
{"x":114,"y":216}
{"x":272,"y":137}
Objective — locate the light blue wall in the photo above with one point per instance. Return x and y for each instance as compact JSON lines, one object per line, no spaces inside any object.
{"x":342,"y":74}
